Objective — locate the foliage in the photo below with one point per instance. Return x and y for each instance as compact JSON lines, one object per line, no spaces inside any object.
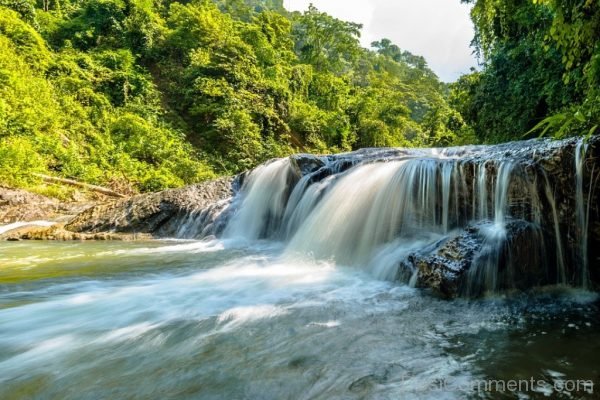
{"x":161,"y":93}
{"x":541,"y":69}
{"x":92,"y":116}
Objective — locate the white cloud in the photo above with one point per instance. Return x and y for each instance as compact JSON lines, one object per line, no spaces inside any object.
{"x":439,"y":30}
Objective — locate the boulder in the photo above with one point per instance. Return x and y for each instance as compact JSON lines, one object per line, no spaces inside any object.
{"x":443,"y":266}
{"x":20,"y":205}
{"x":474,"y":261}
{"x":305,"y":164}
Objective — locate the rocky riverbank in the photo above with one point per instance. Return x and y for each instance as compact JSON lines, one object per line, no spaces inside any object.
{"x":145,"y":216}
{"x":17,"y":205}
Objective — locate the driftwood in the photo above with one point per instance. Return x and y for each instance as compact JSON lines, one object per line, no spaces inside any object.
{"x":71,"y":182}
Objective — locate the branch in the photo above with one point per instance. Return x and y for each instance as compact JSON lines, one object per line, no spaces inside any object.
{"x":87,"y":186}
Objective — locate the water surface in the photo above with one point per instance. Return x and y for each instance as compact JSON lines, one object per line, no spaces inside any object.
{"x":216,"y":320}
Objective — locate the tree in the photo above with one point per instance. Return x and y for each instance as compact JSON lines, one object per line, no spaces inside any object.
{"x":540,"y":69}
{"x":327,"y":43}
{"x":155,"y":94}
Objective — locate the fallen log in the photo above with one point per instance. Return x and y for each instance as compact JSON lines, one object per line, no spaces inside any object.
{"x":87,"y":186}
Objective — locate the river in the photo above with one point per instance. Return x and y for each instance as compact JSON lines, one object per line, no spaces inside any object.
{"x":226,"y":319}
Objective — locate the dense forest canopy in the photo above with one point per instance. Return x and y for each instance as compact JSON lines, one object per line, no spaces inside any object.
{"x":142,"y":95}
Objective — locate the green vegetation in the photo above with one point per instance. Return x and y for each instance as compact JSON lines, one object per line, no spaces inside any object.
{"x":541,"y":72}
{"x":142,"y":95}
{"x":145,"y":95}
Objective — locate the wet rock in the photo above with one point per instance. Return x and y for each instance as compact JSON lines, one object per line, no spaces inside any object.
{"x":305,"y":164}
{"x":457,"y":266}
{"x":442,"y":267}
{"x":200,"y":223}
{"x":157,"y":213}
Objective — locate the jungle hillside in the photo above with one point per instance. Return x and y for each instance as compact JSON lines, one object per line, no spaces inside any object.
{"x":143,"y":95}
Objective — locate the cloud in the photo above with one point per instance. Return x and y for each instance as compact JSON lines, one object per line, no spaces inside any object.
{"x":439,"y":30}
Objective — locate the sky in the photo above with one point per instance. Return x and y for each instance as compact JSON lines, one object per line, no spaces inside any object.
{"x":439,"y":30}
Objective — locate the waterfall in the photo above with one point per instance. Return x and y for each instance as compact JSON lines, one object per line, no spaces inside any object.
{"x":447,"y":170}
{"x":334,"y":228}
{"x":302,"y":201}
{"x":483,"y":276}
{"x":501,"y":194}
{"x":561,"y":269}
{"x":262,"y":203}
{"x":582,"y":211}
{"x":396,"y":199}
{"x":394,"y":212}
{"x":482,"y":190}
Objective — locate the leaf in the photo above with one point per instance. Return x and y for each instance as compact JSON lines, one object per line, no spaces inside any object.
{"x":548,"y":123}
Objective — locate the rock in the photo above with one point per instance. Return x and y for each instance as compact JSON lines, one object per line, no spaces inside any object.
{"x":443,"y":266}
{"x":199,"y":223}
{"x":57,"y":232}
{"x":159,"y":213}
{"x":305,"y":164}
{"x":20,"y":205}
{"x":458,"y":265}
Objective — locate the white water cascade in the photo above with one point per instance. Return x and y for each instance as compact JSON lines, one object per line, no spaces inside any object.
{"x":376,"y":210}
{"x":262,"y":204}
{"x":582,"y":211}
{"x":394,"y":200}
{"x":484,"y":273}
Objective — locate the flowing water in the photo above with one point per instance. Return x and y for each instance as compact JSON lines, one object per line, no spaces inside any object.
{"x":222,"y":320}
{"x":302,"y":296}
